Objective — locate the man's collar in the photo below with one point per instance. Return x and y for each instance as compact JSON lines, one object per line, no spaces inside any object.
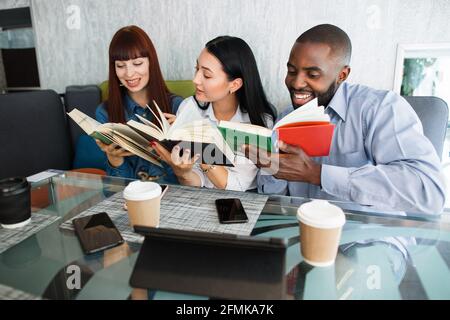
{"x":339,"y":101}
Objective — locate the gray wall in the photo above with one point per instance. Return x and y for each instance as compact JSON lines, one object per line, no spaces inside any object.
{"x":179,"y":28}
{"x":10,"y":4}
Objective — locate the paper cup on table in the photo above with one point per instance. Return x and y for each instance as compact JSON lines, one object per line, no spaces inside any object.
{"x":320,"y":231}
{"x":143,"y":200}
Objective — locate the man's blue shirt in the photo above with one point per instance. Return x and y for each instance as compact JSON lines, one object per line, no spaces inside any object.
{"x":379,"y":156}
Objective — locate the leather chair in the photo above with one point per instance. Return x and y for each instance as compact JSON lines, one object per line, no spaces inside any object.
{"x":33,"y":133}
{"x":86,"y":152}
{"x":84,"y":98}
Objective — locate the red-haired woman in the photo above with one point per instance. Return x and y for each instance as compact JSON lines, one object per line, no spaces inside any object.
{"x":135,"y":79}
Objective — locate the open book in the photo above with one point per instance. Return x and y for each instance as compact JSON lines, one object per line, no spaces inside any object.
{"x":307,"y":127}
{"x":189,"y":131}
{"x":117,"y":133}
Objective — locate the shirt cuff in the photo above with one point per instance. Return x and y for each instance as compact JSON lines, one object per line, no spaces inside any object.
{"x":196,"y":169}
{"x":233,"y":182}
{"x":268,"y":184}
{"x":336,"y":181}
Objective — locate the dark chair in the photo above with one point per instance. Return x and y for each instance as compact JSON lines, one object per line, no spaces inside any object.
{"x":433,"y":113}
{"x":84,"y":98}
{"x":87,"y":153}
{"x":33,"y":133}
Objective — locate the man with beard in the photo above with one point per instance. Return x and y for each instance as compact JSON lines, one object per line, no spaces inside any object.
{"x":379,"y":156}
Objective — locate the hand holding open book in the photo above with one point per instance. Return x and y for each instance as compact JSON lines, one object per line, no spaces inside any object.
{"x":307,"y":127}
{"x":189,"y":131}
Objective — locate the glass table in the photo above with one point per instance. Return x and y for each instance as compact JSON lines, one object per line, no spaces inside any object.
{"x":380,"y":256}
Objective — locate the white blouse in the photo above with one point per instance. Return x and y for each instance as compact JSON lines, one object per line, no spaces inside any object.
{"x":242,"y":176}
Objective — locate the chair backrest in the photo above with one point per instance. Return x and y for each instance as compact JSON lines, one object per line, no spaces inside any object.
{"x":84,"y":98}
{"x":33,"y":133}
{"x":433,"y":112}
{"x":183,"y":88}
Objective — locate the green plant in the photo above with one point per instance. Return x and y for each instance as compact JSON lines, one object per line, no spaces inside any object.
{"x":413,"y":73}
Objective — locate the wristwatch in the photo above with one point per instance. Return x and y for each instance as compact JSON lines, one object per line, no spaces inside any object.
{"x":210,"y":167}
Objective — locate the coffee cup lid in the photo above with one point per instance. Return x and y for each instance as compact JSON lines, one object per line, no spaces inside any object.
{"x":321,"y":214}
{"x":140,"y":190}
{"x":9,"y":185}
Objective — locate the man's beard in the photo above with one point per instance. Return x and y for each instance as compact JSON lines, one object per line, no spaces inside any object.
{"x":324,"y":99}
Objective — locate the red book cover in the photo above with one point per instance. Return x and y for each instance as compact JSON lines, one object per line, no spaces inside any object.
{"x":315,"y":140}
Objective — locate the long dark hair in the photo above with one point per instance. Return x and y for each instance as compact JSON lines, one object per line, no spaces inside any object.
{"x":238,"y":61}
{"x":132,"y":42}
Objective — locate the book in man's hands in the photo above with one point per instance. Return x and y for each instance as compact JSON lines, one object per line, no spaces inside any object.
{"x":307,"y":127}
{"x":189,"y":131}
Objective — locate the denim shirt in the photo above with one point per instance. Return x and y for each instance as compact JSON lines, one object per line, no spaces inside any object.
{"x":379,"y":156}
{"x":132,"y":165}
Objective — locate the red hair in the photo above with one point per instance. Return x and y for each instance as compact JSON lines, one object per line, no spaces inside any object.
{"x":132,"y":42}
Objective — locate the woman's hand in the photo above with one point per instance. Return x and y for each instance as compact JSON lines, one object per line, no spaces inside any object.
{"x":170,"y":117}
{"x":182,"y":166}
{"x":114,"y":153}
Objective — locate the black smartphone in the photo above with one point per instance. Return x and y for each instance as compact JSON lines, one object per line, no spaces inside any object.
{"x":231,"y":211}
{"x":97,"y":232}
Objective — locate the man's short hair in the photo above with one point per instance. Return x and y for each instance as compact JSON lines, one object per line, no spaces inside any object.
{"x":331,"y":35}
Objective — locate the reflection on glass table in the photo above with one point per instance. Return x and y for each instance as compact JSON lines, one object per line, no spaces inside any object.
{"x":380,"y":256}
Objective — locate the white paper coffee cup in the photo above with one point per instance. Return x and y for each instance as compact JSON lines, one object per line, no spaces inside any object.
{"x":143,"y":200}
{"x":320,"y":231}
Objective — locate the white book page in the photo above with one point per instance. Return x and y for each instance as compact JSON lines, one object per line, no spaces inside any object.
{"x":165,"y":123}
{"x":246,"y":127}
{"x":151,"y":131}
{"x":126,"y":131}
{"x":157,"y":119}
{"x":136,"y":147}
{"x":136,"y":150}
{"x":308,"y":112}
{"x":198,"y":134}
{"x":85,"y":122}
{"x":149,"y":123}
{"x":203,"y":131}
{"x":189,"y":116}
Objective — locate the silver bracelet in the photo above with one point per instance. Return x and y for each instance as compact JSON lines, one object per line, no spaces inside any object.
{"x":211,"y":167}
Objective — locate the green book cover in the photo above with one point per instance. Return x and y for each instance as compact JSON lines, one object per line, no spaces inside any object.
{"x":101,"y":137}
{"x":236,"y":138}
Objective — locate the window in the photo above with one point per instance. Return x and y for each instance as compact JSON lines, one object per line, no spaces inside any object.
{"x":423,"y":70}
{"x":19,"y":70}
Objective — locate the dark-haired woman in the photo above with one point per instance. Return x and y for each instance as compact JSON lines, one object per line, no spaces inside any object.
{"x":228,"y":87}
{"x":135,"y":79}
